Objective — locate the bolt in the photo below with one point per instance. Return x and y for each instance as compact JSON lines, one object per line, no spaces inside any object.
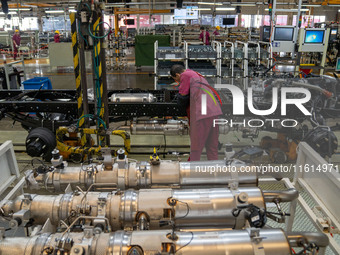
{"x":76,"y":250}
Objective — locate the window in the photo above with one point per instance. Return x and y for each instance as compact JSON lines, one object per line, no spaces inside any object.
{"x":207,"y":20}
{"x":309,"y":21}
{"x":56,"y":23}
{"x":281,"y":20}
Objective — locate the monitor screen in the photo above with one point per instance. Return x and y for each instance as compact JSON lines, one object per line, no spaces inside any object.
{"x":130,"y":22}
{"x":337,"y":67}
{"x":333,"y":35}
{"x":284,"y":34}
{"x":314,"y":36}
{"x":190,"y":12}
{"x":228,"y":21}
{"x":265,"y":33}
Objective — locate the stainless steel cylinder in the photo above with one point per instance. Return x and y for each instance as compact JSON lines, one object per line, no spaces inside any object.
{"x":138,"y":175}
{"x":153,"y":208}
{"x":154,"y":127}
{"x":133,"y":98}
{"x":238,"y":242}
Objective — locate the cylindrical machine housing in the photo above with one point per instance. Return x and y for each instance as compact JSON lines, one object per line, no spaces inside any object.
{"x":155,"y":127}
{"x":238,"y":242}
{"x":133,"y":98}
{"x":153,"y":208}
{"x":138,"y":175}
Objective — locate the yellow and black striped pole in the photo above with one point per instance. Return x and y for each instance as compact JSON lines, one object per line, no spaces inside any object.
{"x":97,"y":46}
{"x":75,"y":49}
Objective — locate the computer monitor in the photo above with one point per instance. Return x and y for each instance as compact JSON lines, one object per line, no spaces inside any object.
{"x":130,"y":22}
{"x":265,"y":33}
{"x":314,"y":36}
{"x":190,"y":12}
{"x":333,"y":34}
{"x":285,"y":34}
{"x":228,"y":21}
{"x":337,"y":66}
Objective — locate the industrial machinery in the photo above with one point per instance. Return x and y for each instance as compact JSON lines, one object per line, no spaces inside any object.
{"x":149,"y":209}
{"x":245,"y":242}
{"x":125,"y":173}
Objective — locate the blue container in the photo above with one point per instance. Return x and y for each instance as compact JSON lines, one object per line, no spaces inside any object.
{"x":37,"y":83}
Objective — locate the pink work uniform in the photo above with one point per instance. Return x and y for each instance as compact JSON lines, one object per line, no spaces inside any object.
{"x":202,"y":132}
{"x":205,"y":39}
{"x":216,"y":32}
{"x":16,"y":38}
{"x":57,"y":38}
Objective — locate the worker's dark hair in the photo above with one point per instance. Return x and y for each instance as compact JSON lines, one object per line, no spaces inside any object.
{"x":176,"y":69}
{"x":202,"y":28}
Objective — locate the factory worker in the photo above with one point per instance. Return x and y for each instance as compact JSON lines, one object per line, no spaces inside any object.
{"x":16,"y":43}
{"x":217,"y":31}
{"x":205,"y":36}
{"x":57,"y":36}
{"x":192,"y":86}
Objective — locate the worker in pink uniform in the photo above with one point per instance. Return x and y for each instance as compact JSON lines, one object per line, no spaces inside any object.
{"x":202,"y":132}
{"x":16,"y":43}
{"x":204,"y":36}
{"x":57,"y":36}
{"x":217,"y":31}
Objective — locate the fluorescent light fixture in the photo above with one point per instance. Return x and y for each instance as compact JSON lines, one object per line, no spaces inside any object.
{"x":243,"y":4}
{"x":225,"y":9}
{"x":20,"y":9}
{"x":210,"y":3}
{"x":72,"y":10}
{"x":54,"y":11}
{"x":202,"y":9}
{"x":311,"y":5}
{"x":289,"y":10}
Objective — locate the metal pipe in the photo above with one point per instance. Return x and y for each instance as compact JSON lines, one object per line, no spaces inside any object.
{"x":237,"y":242}
{"x":280,"y":196}
{"x":138,"y":175}
{"x":161,"y":208}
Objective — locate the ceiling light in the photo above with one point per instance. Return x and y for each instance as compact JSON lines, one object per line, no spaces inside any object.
{"x":210,"y":3}
{"x":202,"y":9}
{"x":311,"y":5}
{"x":225,"y":9}
{"x":20,"y":9}
{"x":72,"y":10}
{"x":243,"y":4}
{"x":54,"y":11}
{"x":289,"y":10}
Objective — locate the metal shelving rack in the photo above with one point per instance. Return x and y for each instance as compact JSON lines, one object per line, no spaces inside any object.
{"x":172,"y":54}
{"x":244,"y":62}
{"x":228,"y":56}
{"x":213,"y":56}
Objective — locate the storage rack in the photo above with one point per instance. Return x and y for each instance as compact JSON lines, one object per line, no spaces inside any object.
{"x":165,"y":57}
{"x":228,"y":61}
{"x":204,"y":59}
{"x":215,"y":61}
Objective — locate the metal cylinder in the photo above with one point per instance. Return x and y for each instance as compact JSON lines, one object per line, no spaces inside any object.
{"x":211,"y":208}
{"x":154,"y":127}
{"x":238,"y":242}
{"x":138,"y":175}
{"x":133,"y":98}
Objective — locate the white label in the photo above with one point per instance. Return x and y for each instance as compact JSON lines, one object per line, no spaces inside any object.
{"x":170,"y":56}
{"x":255,"y":218}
